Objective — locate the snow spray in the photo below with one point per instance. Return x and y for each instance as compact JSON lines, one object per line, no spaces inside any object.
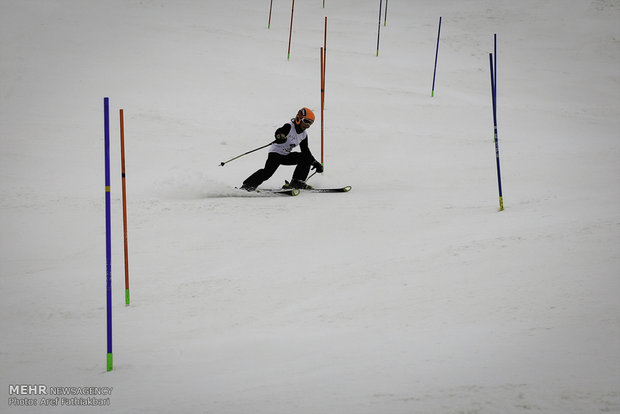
{"x":106,"y":121}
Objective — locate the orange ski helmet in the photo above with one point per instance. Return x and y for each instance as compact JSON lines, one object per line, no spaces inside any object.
{"x":304,"y":114}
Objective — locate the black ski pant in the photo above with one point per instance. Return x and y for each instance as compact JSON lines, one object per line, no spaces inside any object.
{"x":274,"y":160}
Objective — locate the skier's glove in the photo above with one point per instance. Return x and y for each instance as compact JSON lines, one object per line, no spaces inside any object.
{"x":280,"y":139}
{"x":317,"y":166}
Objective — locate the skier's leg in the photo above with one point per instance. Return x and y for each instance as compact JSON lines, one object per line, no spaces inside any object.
{"x":262,"y":175}
{"x":303,"y":167}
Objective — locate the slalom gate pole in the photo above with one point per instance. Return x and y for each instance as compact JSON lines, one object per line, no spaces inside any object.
{"x":495,"y":67}
{"x":322,"y":100}
{"x":493,"y":97}
{"x":123,"y":178}
{"x":323,"y":72}
{"x":436,"y":55}
{"x":324,"y":50}
{"x":290,"y":33}
{"x":379,"y":29}
{"x":245,"y":153}
{"x":269,"y":22}
{"x":385,"y":18}
{"x":108,"y":232}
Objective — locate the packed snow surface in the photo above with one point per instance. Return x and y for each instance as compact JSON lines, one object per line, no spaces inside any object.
{"x":410,"y":294}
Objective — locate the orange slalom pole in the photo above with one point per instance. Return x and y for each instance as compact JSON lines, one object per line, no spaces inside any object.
{"x":269,"y":22}
{"x":324,"y":53}
{"x":124,"y":207}
{"x":323,"y":72}
{"x":322,"y":102}
{"x":290,"y":33}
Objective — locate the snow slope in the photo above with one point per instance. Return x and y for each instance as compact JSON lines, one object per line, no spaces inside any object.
{"x":410,"y":294}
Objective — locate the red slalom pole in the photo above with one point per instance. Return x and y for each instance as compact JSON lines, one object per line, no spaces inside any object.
{"x":324,"y":51}
{"x":269,"y":22}
{"x":322,"y":101}
{"x":290,"y":33}
{"x":323,"y":72}
{"x":124,"y":207}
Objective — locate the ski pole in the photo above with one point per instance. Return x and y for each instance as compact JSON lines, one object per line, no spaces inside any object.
{"x":312,"y":175}
{"x":245,"y":153}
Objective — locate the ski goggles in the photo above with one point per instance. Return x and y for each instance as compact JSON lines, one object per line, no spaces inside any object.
{"x":307,"y":121}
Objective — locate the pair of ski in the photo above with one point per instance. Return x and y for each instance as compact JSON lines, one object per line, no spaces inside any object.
{"x":295,"y":191}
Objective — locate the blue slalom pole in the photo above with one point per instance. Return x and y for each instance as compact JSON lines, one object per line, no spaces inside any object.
{"x":493,"y":97}
{"x":379,"y":29}
{"x":108,"y":231}
{"x":385,"y":17}
{"x":495,"y":68}
{"x":436,"y":54}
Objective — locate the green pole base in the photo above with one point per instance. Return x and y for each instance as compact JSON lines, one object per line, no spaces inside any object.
{"x":127,"y":297}
{"x":110,"y":363}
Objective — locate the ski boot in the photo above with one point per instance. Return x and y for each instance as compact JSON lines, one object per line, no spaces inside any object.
{"x":298,"y":184}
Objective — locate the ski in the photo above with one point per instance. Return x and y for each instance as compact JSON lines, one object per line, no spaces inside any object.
{"x":311,"y":189}
{"x":275,"y":191}
{"x":291,"y":192}
{"x":344,"y":189}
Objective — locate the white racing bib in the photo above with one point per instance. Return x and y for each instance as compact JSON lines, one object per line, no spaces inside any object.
{"x":292,"y":140}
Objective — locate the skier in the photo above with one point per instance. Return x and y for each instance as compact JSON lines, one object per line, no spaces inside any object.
{"x":288,"y":137}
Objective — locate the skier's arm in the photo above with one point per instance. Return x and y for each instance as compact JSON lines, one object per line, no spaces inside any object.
{"x":281,"y":133}
{"x":305,"y":149}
